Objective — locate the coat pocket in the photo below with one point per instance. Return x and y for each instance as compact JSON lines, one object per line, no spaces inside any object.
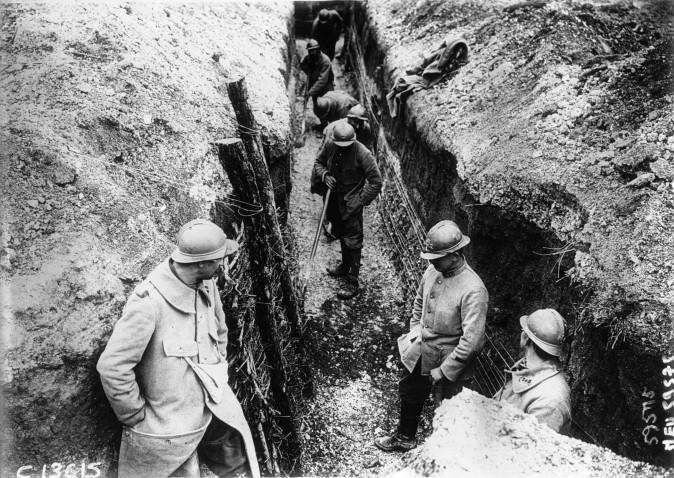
{"x":406,"y":341}
{"x":221,"y":344}
{"x":180,"y":348}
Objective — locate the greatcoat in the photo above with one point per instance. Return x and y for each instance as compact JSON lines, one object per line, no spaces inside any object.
{"x":165,"y":371}
{"x":541,"y":391}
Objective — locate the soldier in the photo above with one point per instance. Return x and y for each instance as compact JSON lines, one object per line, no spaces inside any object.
{"x":332,"y":106}
{"x":446,"y":332}
{"x":326,"y":29}
{"x":357,"y":118}
{"x":346,"y":167}
{"x":537,"y":385}
{"x":164,"y":369}
{"x":316,"y":65}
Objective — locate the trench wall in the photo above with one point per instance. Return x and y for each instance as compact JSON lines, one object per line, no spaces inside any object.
{"x":111,"y":112}
{"x":525,"y":265}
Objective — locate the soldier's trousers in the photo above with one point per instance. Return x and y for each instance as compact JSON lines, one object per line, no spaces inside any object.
{"x":414,"y":389}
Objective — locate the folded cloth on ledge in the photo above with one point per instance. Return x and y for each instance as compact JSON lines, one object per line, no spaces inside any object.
{"x":432,"y":69}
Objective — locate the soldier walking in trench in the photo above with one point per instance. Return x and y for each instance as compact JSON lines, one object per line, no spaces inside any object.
{"x":326,"y":28}
{"x":317,"y":66}
{"x":446,"y":332}
{"x":164,"y":369}
{"x":349,"y":170}
{"x":332,"y":106}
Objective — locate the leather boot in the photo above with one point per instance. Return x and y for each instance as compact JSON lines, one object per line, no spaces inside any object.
{"x":352,"y":287}
{"x":341,"y":269}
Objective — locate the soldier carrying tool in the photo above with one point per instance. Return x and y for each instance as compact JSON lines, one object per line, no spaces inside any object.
{"x":317,"y":66}
{"x":165,"y":370}
{"x":349,"y":169}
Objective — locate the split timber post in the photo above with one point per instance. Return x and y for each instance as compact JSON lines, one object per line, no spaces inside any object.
{"x":244,"y":162}
{"x":243,"y":177}
{"x":238,"y":95}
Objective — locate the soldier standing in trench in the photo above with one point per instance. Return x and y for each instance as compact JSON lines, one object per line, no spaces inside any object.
{"x":356,"y":117}
{"x":349,"y":169}
{"x":446,"y":332}
{"x":326,"y":29}
{"x":164,"y":369}
{"x":537,"y":385}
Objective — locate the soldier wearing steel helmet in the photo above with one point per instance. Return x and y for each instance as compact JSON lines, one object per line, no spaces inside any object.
{"x":446,"y":332}
{"x":537,"y":385}
{"x":164,"y":368}
{"x":332,"y":106}
{"x":356,"y":117}
{"x":349,"y":169}
{"x":317,"y":66}
{"x":326,"y":28}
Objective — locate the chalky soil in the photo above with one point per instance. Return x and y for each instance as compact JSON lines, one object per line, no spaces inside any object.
{"x":352,"y":342}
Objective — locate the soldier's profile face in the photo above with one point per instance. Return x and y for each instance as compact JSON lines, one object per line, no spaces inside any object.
{"x":210,"y":269}
{"x":447,"y":262}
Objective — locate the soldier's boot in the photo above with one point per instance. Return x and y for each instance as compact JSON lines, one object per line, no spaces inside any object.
{"x":395,"y":442}
{"x":341,"y":269}
{"x":352,"y":287}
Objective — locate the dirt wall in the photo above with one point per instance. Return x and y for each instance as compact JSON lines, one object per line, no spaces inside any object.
{"x":510,"y":146}
{"x":107,"y":119}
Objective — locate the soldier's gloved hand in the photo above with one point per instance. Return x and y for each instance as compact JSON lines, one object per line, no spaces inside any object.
{"x":435,"y":375}
{"x":330,"y":181}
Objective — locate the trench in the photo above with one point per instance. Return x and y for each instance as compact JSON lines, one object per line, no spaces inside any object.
{"x":524,"y":266}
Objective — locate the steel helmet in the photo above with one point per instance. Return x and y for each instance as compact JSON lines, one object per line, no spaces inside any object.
{"x":323,"y":15}
{"x":201,"y":240}
{"x":357,"y":112}
{"x":322,"y":107}
{"x":442,"y":239}
{"x":545,"y":328}
{"x":343,"y":134}
{"x":312,"y":45}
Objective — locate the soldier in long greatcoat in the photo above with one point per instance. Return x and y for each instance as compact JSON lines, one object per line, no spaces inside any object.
{"x":165,"y":370}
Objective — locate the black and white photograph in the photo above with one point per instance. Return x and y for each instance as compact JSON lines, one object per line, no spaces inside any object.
{"x":358,"y":238}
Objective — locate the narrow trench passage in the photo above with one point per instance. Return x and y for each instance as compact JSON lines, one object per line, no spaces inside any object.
{"x":352,"y":343}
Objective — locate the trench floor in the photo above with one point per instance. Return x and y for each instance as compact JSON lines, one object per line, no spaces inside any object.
{"x":352,"y":343}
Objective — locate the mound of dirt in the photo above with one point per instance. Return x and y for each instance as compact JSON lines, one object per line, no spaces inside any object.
{"x":109,"y":111}
{"x":477,"y":436}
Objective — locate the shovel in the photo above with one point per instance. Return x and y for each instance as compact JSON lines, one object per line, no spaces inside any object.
{"x":314,"y":246}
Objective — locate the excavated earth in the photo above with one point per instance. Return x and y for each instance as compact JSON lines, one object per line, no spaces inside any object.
{"x":553,"y":147}
{"x":475,"y":436}
{"x":108,"y":112}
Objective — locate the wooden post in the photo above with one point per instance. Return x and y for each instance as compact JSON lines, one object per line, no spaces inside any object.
{"x":238,"y":95}
{"x":263,"y":234}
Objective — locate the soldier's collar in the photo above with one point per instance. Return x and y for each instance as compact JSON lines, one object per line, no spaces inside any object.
{"x":524,"y":378}
{"x":174,"y":291}
{"x":456,"y":270}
